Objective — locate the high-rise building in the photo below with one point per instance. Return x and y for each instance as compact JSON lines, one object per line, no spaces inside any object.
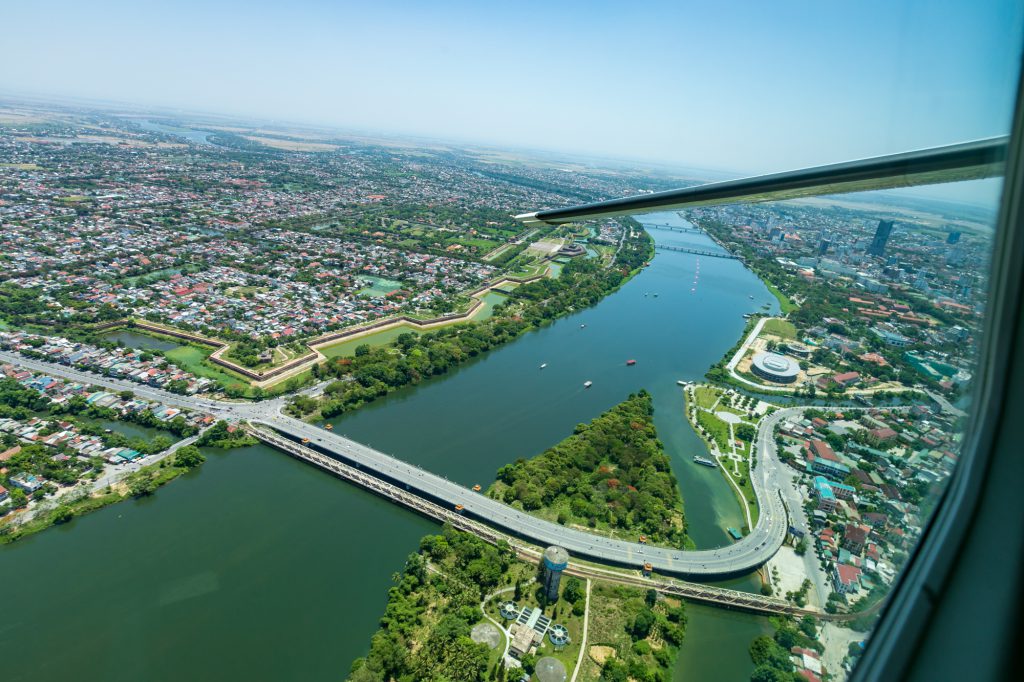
{"x":953,"y":238}
{"x":823,"y":247}
{"x":882,"y":232}
{"x":556,"y":559}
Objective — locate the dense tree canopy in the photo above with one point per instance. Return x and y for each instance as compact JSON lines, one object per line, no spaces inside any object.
{"x":612,"y":472}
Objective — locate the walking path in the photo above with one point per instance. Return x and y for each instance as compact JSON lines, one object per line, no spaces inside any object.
{"x":583,"y":640}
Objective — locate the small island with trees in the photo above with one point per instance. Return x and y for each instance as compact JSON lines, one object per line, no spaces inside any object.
{"x":611,"y":476}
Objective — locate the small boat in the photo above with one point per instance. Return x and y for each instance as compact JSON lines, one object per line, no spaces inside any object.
{"x":681,"y":382}
{"x":751,"y":297}
{"x":544,"y":365}
{"x":582,"y":326}
{"x":588,"y":384}
{"x":630,"y":363}
{"x":476,"y":488}
{"x":736,"y":535}
{"x":329,"y":427}
{"x":705,"y":461}
{"x":655,"y":296}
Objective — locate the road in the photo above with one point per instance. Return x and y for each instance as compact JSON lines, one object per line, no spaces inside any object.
{"x":741,"y":557}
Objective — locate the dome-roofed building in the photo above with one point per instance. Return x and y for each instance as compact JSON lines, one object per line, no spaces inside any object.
{"x":775,"y":368}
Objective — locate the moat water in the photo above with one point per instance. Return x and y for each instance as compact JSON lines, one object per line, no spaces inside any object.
{"x":259,"y":567}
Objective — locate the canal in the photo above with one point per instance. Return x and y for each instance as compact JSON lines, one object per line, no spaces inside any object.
{"x":257,"y":566}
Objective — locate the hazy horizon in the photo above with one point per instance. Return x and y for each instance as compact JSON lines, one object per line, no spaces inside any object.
{"x":741,"y":90}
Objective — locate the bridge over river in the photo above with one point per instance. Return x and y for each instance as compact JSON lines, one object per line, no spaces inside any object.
{"x":400,"y":494}
{"x":699,"y":252}
{"x":673,"y":228}
{"x":732,"y":560}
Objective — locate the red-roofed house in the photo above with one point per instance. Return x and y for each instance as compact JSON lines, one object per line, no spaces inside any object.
{"x":846,"y":578}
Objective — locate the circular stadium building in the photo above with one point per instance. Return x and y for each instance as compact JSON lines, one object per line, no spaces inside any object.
{"x":775,"y":368}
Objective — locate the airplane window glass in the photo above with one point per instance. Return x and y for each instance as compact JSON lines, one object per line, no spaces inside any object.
{"x":856,"y":377}
{"x":318,"y":362}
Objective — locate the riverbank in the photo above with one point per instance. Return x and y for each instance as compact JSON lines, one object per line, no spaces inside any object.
{"x":128,"y":483}
{"x":727,"y":422}
{"x":375,"y":372}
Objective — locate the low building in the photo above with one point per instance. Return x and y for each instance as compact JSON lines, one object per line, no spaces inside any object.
{"x":797,"y":350}
{"x":27,"y":482}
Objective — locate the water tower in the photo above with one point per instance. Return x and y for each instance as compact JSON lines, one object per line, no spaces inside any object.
{"x":555,"y":560}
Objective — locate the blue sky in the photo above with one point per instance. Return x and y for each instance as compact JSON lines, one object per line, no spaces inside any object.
{"x":742,"y":86}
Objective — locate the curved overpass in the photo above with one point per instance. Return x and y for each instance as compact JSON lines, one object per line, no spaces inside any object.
{"x":741,"y":557}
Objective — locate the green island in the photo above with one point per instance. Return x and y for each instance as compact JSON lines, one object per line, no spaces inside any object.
{"x":444,"y":621}
{"x":611,"y":475}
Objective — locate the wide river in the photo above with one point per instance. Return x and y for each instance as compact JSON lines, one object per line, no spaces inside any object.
{"x":259,"y":567}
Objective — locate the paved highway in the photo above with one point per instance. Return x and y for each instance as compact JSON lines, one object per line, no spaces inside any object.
{"x":749,"y":553}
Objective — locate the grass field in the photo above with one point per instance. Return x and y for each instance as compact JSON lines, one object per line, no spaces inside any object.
{"x":381,"y":338}
{"x":380,"y":286}
{"x":782,"y":328}
{"x":748,"y":492}
{"x":786,"y":305}
{"x":612,"y":608}
{"x":717,"y":428}
{"x":706,"y":396}
{"x":191,"y":359}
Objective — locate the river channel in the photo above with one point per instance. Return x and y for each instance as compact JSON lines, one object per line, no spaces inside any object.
{"x":260,"y":567}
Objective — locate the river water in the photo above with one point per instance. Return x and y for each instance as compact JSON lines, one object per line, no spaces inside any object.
{"x":259,"y":567}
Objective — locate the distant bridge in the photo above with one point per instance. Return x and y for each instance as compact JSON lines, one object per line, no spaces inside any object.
{"x":673,"y":228}
{"x":699,"y":252}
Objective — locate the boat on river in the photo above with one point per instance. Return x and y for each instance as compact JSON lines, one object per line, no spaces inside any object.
{"x":705,"y":461}
{"x":588,"y":384}
{"x":544,"y":365}
{"x":682,"y":383}
{"x":630,"y":363}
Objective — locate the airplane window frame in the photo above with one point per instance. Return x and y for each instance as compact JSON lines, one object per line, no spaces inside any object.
{"x":896,"y":643}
